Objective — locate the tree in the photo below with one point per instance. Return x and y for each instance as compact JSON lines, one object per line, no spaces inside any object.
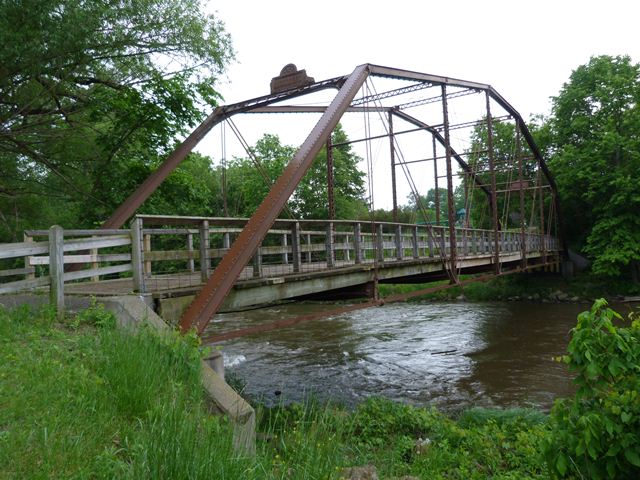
{"x":310,"y":198}
{"x":428,"y":203}
{"x":506,"y":159}
{"x":249,"y":180}
{"x":91,"y":91}
{"x":596,"y":142}
{"x":247,"y":186}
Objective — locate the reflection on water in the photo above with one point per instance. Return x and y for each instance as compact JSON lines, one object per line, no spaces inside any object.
{"x":453,"y":355}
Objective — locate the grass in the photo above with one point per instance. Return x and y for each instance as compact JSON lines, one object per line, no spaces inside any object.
{"x":82,"y":399}
{"x":584,"y":286}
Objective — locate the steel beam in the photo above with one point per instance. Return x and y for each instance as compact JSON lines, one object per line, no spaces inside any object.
{"x":392,"y":153}
{"x":144,"y":191}
{"x":435,"y":175}
{"x":526,"y":133}
{"x":330,"y":180}
{"x":380,"y":71}
{"x":209,"y":299}
{"x":450,"y":200}
{"x":464,"y":165}
{"x":494,"y":195}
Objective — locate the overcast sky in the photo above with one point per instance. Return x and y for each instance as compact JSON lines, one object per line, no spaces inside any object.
{"x":526,"y":50}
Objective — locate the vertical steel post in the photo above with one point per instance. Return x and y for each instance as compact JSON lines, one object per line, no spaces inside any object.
{"x":542,"y":227}
{"x":435,"y":176}
{"x":450,"y":200}
{"x":330,"y":180}
{"x":523,"y":246}
{"x":392,"y":152}
{"x":212,"y":295}
{"x":494,"y":199}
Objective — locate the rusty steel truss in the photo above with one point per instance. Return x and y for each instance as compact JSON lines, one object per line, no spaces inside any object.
{"x":213,"y":293}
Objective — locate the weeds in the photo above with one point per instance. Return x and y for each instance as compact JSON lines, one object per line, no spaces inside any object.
{"x":83,"y":399}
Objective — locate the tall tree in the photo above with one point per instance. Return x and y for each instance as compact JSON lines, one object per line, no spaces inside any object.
{"x":310,"y":198}
{"x":248,"y":186}
{"x":596,"y":138}
{"x":91,"y":91}
{"x":506,"y":161}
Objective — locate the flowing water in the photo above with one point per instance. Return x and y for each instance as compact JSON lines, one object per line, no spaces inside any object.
{"x":452,"y":355}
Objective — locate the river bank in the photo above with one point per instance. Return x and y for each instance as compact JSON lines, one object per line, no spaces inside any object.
{"x":82,"y":399}
{"x":532,"y":287}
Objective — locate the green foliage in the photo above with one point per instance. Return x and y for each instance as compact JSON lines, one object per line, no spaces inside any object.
{"x":406,"y":440}
{"x":596,"y":158}
{"x":506,"y":168}
{"x":93,"y":92}
{"x":597,"y":433}
{"x":96,"y":315}
{"x":247,"y":186}
{"x":85,"y":400}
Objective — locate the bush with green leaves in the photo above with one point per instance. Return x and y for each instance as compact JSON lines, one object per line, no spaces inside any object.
{"x":596,"y":434}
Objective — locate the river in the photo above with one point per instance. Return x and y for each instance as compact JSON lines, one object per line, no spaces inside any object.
{"x":451,"y":355}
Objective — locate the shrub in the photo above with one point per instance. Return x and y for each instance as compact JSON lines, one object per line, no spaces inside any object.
{"x":597,"y":433}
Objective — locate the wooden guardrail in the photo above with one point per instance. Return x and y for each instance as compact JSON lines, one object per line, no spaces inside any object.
{"x":298,"y":246}
{"x":161,"y":246}
{"x":52,"y":255}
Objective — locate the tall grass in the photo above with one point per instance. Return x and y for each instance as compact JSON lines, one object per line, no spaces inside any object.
{"x":82,"y":399}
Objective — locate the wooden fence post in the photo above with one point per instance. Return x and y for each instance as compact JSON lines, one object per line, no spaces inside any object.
{"x":257,"y":262}
{"x":295,"y":246}
{"x":331,"y":257}
{"x":205,"y":264}
{"x":56,"y":269}
{"x":309,"y":256}
{"x":136,"y":255}
{"x":357,"y":242}
{"x":27,"y":260}
{"x":147,"y":248}
{"x":465,"y":242}
{"x":191,"y":265}
{"x":347,"y":253}
{"x":399,"y":245}
{"x":380,"y":243}
{"x":285,"y":253}
{"x":95,"y":265}
{"x":430,"y":246}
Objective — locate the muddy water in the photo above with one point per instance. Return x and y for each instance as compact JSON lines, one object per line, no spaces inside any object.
{"x":452,"y":355}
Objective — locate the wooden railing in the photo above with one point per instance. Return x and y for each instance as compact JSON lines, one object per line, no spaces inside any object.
{"x":161,"y":248}
{"x":44,"y":261}
{"x":300,"y":246}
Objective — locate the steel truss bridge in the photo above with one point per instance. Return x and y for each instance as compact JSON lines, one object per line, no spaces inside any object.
{"x":224,"y":263}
